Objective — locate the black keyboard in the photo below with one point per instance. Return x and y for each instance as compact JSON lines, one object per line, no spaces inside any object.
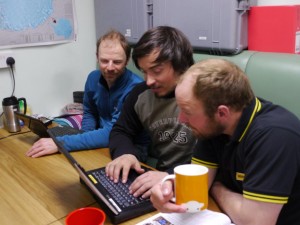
{"x":125,"y":206}
{"x":118,"y":191}
{"x":61,"y":131}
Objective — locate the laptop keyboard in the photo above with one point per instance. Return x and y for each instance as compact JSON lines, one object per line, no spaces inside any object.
{"x":61,"y":131}
{"x":119,"y":191}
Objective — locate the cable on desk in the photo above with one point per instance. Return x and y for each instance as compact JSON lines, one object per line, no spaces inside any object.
{"x":24,"y":132}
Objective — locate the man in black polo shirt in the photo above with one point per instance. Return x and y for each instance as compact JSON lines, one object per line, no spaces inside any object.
{"x":251,"y":147}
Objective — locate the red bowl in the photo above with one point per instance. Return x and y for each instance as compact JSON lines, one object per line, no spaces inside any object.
{"x":86,"y":216}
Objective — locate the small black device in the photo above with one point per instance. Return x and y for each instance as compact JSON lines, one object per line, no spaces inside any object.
{"x":37,"y":126}
{"x":40,"y":125}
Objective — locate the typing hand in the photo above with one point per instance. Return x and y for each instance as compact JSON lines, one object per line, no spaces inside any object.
{"x":44,"y":146}
{"x":143,"y":183}
{"x":123,"y":163}
{"x":161,"y":195}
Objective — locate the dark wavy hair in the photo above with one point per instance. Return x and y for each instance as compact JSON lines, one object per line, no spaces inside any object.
{"x":172,"y":45}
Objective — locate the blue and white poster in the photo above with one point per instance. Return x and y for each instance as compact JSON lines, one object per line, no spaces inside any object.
{"x":36,"y":22}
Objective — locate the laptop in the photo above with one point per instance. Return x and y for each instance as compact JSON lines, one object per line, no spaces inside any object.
{"x":37,"y":126}
{"x":40,"y":126}
{"x":114,"y":198}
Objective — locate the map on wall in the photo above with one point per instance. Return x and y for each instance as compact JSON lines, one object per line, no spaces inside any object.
{"x":36,"y":22}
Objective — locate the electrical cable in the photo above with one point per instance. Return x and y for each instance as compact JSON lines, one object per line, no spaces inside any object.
{"x":13,"y":134}
{"x":11,"y":61}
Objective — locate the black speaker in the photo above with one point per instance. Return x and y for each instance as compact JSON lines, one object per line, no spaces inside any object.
{"x":78,"y":96}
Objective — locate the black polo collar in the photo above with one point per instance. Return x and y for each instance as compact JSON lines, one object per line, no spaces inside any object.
{"x":246,"y":119}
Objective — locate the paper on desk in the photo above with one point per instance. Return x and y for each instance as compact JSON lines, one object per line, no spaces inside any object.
{"x":206,"y":217}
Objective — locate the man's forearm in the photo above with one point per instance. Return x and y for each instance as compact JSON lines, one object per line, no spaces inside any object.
{"x":120,"y":144}
{"x":228,"y":201}
{"x":244,"y":211}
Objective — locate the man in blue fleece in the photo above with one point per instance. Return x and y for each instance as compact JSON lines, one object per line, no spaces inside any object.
{"x":104,"y":94}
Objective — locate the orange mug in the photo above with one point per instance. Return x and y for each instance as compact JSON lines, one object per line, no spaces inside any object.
{"x":191,"y":186}
{"x":86,"y":216}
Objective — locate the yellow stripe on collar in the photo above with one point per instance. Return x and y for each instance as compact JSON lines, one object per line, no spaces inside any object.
{"x":204,"y":163}
{"x":256,"y":109}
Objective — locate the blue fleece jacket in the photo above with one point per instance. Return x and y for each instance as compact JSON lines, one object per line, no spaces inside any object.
{"x":101,"y":109}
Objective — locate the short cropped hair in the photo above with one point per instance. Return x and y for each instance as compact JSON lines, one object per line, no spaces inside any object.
{"x":220,"y":82}
{"x":115,"y":35}
{"x":172,"y":45}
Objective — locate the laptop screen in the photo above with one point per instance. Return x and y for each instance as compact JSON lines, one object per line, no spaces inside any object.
{"x":37,"y":126}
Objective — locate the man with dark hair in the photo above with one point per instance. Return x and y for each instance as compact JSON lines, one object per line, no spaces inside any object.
{"x":162,"y":54}
{"x":104,"y":93}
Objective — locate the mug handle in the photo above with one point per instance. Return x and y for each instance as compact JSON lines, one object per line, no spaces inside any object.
{"x":166,"y":178}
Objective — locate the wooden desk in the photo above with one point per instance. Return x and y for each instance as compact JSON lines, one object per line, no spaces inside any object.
{"x":44,"y":190}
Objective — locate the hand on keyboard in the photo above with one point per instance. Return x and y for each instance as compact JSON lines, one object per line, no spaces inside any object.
{"x":123,"y":164}
{"x":118,"y":191}
{"x":143,"y":183}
